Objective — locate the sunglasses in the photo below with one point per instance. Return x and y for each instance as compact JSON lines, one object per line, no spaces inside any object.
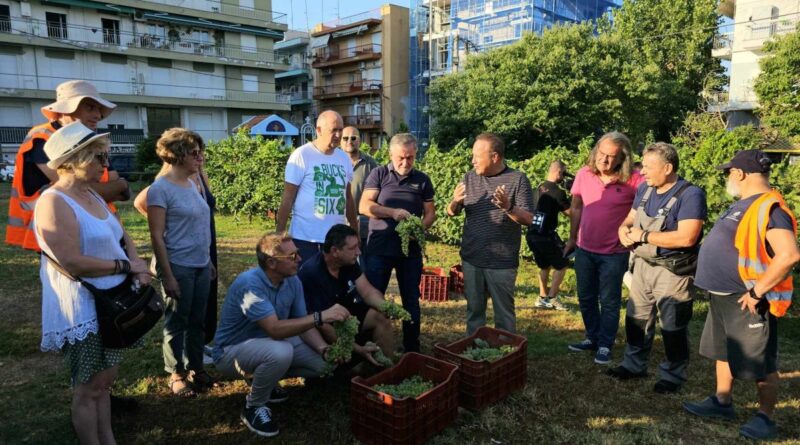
{"x":292,"y":256}
{"x":102,"y":158}
{"x":351,"y":138}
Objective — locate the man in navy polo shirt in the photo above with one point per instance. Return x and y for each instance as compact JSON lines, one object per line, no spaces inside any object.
{"x":334,"y":276}
{"x":391,"y":194}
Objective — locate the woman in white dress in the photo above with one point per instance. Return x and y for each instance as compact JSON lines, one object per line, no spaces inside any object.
{"x":75,"y":228}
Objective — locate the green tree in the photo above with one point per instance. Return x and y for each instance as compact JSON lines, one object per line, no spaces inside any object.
{"x":147,"y":161}
{"x":778,"y":85}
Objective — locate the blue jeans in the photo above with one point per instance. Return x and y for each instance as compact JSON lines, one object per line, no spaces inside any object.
{"x":409,"y":273}
{"x":599,"y":279}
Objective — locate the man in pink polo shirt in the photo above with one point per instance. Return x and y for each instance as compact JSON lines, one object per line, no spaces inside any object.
{"x":602,"y":195}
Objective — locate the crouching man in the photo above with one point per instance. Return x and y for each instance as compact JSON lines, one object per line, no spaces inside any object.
{"x":332,"y":277}
{"x":265,"y":331}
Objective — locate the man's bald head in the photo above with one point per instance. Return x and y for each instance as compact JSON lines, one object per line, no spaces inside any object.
{"x":329,"y":130}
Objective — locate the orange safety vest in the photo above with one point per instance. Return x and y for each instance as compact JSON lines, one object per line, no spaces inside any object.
{"x":19,"y":231}
{"x":751,"y":241}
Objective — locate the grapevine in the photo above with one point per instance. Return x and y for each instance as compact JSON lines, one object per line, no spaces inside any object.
{"x":408,"y":228}
{"x":394,"y":311}
{"x":342,"y":349}
{"x":483,"y":351}
{"x":411,"y":387}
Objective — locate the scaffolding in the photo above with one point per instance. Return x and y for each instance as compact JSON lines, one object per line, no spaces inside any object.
{"x":445,"y":32}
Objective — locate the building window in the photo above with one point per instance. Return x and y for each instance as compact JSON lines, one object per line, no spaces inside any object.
{"x":159,"y":63}
{"x":116,"y":59}
{"x":203,"y":67}
{"x":111,"y":31}
{"x":249,"y":83}
{"x":5,"y":18}
{"x":64,"y":54}
{"x":56,"y":25}
{"x":248,"y":43}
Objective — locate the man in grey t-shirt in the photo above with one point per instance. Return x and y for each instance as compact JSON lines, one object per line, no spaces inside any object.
{"x":362,"y":166}
{"x":497,"y":200}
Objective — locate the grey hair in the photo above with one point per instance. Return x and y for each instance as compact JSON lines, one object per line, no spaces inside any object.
{"x":401,"y":140}
{"x":666,"y":152}
{"x":625,"y":166}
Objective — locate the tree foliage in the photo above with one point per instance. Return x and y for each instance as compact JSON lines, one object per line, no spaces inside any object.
{"x":639,"y":73}
{"x":778,"y":85}
{"x":246,"y":173}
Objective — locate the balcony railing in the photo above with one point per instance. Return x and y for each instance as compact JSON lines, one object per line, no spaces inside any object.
{"x":138,"y":85}
{"x":334,"y":54}
{"x":344,"y":21}
{"x":364,"y":120}
{"x":12,"y":135}
{"x":722,"y":41}
{"x":106,"y":38}
{"x":224,"y":9}
{"x":358,"y":88}
{"x":298,"y":96}
{"x":766,"y":29}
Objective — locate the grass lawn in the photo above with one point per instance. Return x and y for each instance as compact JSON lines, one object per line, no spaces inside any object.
{"x":567,"y":400}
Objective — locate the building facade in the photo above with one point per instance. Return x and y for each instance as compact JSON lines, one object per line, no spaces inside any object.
{"x":361,"y":70}
{"x":445,"y":32}
{"x":297,"y":82}
{"x":205,"y":65}
{"x":740,"y":45}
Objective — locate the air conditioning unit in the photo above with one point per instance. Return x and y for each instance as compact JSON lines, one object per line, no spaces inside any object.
{"x":362,"y":66}
{"x":139,"y":16}
{"x":25,"y":9}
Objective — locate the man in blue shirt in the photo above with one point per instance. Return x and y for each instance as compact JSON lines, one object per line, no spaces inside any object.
{"x":333,"y":276}
{"x":265,"y":330}
{"x":664,"y":229}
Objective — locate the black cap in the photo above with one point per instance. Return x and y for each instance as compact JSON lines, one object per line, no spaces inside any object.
{"x":748,"y":161}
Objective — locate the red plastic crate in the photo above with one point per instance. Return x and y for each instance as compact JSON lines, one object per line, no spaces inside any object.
{"x":434,"y":284}
{"x":483,"y":383}
{"x":377,"y":418}
{"x":457,"y":279}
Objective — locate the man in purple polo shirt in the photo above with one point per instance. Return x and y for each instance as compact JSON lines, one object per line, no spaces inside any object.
{"x":602,"y":195}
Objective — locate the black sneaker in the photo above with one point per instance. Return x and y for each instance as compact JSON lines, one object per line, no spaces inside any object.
{"x":258,"y":419}
{"x":622,"y":373}
{"x":123,"y":405}
{"x":666,"y":387}
{"x":278,"y":395}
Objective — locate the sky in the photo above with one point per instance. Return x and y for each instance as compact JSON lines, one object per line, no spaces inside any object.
{"x":304,"y":14}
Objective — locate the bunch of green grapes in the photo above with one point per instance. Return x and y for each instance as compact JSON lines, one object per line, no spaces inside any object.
{"x":380,"y":357}
{"x":341,"y":351}
{"x":411,"y":387}
{"x":408,"y":228}
{"x":394,"y":311}
{"x":483,"y":351}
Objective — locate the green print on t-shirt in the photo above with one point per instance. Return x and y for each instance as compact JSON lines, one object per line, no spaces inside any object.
{"x":329,"y":181}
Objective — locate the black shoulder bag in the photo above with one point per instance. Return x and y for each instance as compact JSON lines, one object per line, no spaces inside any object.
{"x":125,"y":312}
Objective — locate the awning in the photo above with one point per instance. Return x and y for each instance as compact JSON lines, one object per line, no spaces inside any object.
{"x":320,"y":42}
{"x":183,"y":20}
{"x":90,"y":5}
{"x":346,"y":32}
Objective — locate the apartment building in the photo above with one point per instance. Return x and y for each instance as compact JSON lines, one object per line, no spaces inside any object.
{"x":445,"y":32}
{"x":740,"y":45}
{"x":361,"y":70}
{"x":296,"y":83}
{"x":205,"y":65}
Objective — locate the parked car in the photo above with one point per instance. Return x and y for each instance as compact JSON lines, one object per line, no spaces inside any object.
{"x":6,"y":172}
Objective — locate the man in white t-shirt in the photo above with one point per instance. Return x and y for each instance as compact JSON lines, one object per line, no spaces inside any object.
{"x":316,"y":188}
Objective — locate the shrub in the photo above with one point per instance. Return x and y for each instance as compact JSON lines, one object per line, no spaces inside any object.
{"x":147,"y":160}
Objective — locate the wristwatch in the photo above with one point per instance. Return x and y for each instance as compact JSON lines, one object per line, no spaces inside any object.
{"x":752,"y":292}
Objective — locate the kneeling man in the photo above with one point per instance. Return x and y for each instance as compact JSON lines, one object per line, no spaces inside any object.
{"x":265,"y":331}
{"x":332,"y":277}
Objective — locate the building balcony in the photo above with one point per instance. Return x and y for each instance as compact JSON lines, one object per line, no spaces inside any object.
{"x":138,"y":90}
{"x":299,"y":98}
{"x":368,"y":18}
{"x":360,"y":88}
{"x":213,"y":10}
{"x":333,"y":55}
{"x":39,"y":32}
{"x":295,"y":69}
{"x":717,"y":101}
{"x":722,"y":46}
{"x":363,"y":122}
{"x":761,"y":31}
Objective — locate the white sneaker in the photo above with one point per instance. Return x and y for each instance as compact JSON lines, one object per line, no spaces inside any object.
{"x":543,"y":303}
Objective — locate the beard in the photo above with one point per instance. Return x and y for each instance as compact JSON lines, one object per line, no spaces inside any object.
{"x":732,"y":189}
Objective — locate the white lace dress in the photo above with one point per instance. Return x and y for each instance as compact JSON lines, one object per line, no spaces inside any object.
{"x":68,"y":311}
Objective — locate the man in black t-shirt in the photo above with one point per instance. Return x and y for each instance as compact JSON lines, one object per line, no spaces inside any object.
{"x":333,"y":276}
{"x":547,"y":247}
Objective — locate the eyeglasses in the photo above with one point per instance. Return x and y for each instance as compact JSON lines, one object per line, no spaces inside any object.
{"x":197,"y":154}
{"x":102,"y":157}
{"x":292,"y":256}
{"x":351,"y":138}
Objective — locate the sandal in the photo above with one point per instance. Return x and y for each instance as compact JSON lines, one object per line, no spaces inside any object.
{"x":202,"y":380}
{"x":184,"y":390}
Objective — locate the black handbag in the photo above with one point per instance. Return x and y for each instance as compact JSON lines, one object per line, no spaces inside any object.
{"x":125,"y":312}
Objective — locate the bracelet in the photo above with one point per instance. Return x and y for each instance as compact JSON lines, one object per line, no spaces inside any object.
{"x":645,"y":235}
{"x":752,"y":292}
{"x":116,"y":267}
{"x":317,"y":319}
{"x":125,"y":266}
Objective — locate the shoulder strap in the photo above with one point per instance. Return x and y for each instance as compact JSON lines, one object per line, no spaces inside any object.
{"x":60,"y":268}
{"x":675,"y":197}
{"x":646,"y":197}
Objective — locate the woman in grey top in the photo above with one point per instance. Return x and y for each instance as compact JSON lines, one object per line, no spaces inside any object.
{"x":179,"y":221}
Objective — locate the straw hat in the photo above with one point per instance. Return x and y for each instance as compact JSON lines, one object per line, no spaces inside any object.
{"x":70,"y":94}
{"x":67,"y":141}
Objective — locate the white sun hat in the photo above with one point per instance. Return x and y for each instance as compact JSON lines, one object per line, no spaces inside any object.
{"x":67,"y":141}
{"x":70,"y":94}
